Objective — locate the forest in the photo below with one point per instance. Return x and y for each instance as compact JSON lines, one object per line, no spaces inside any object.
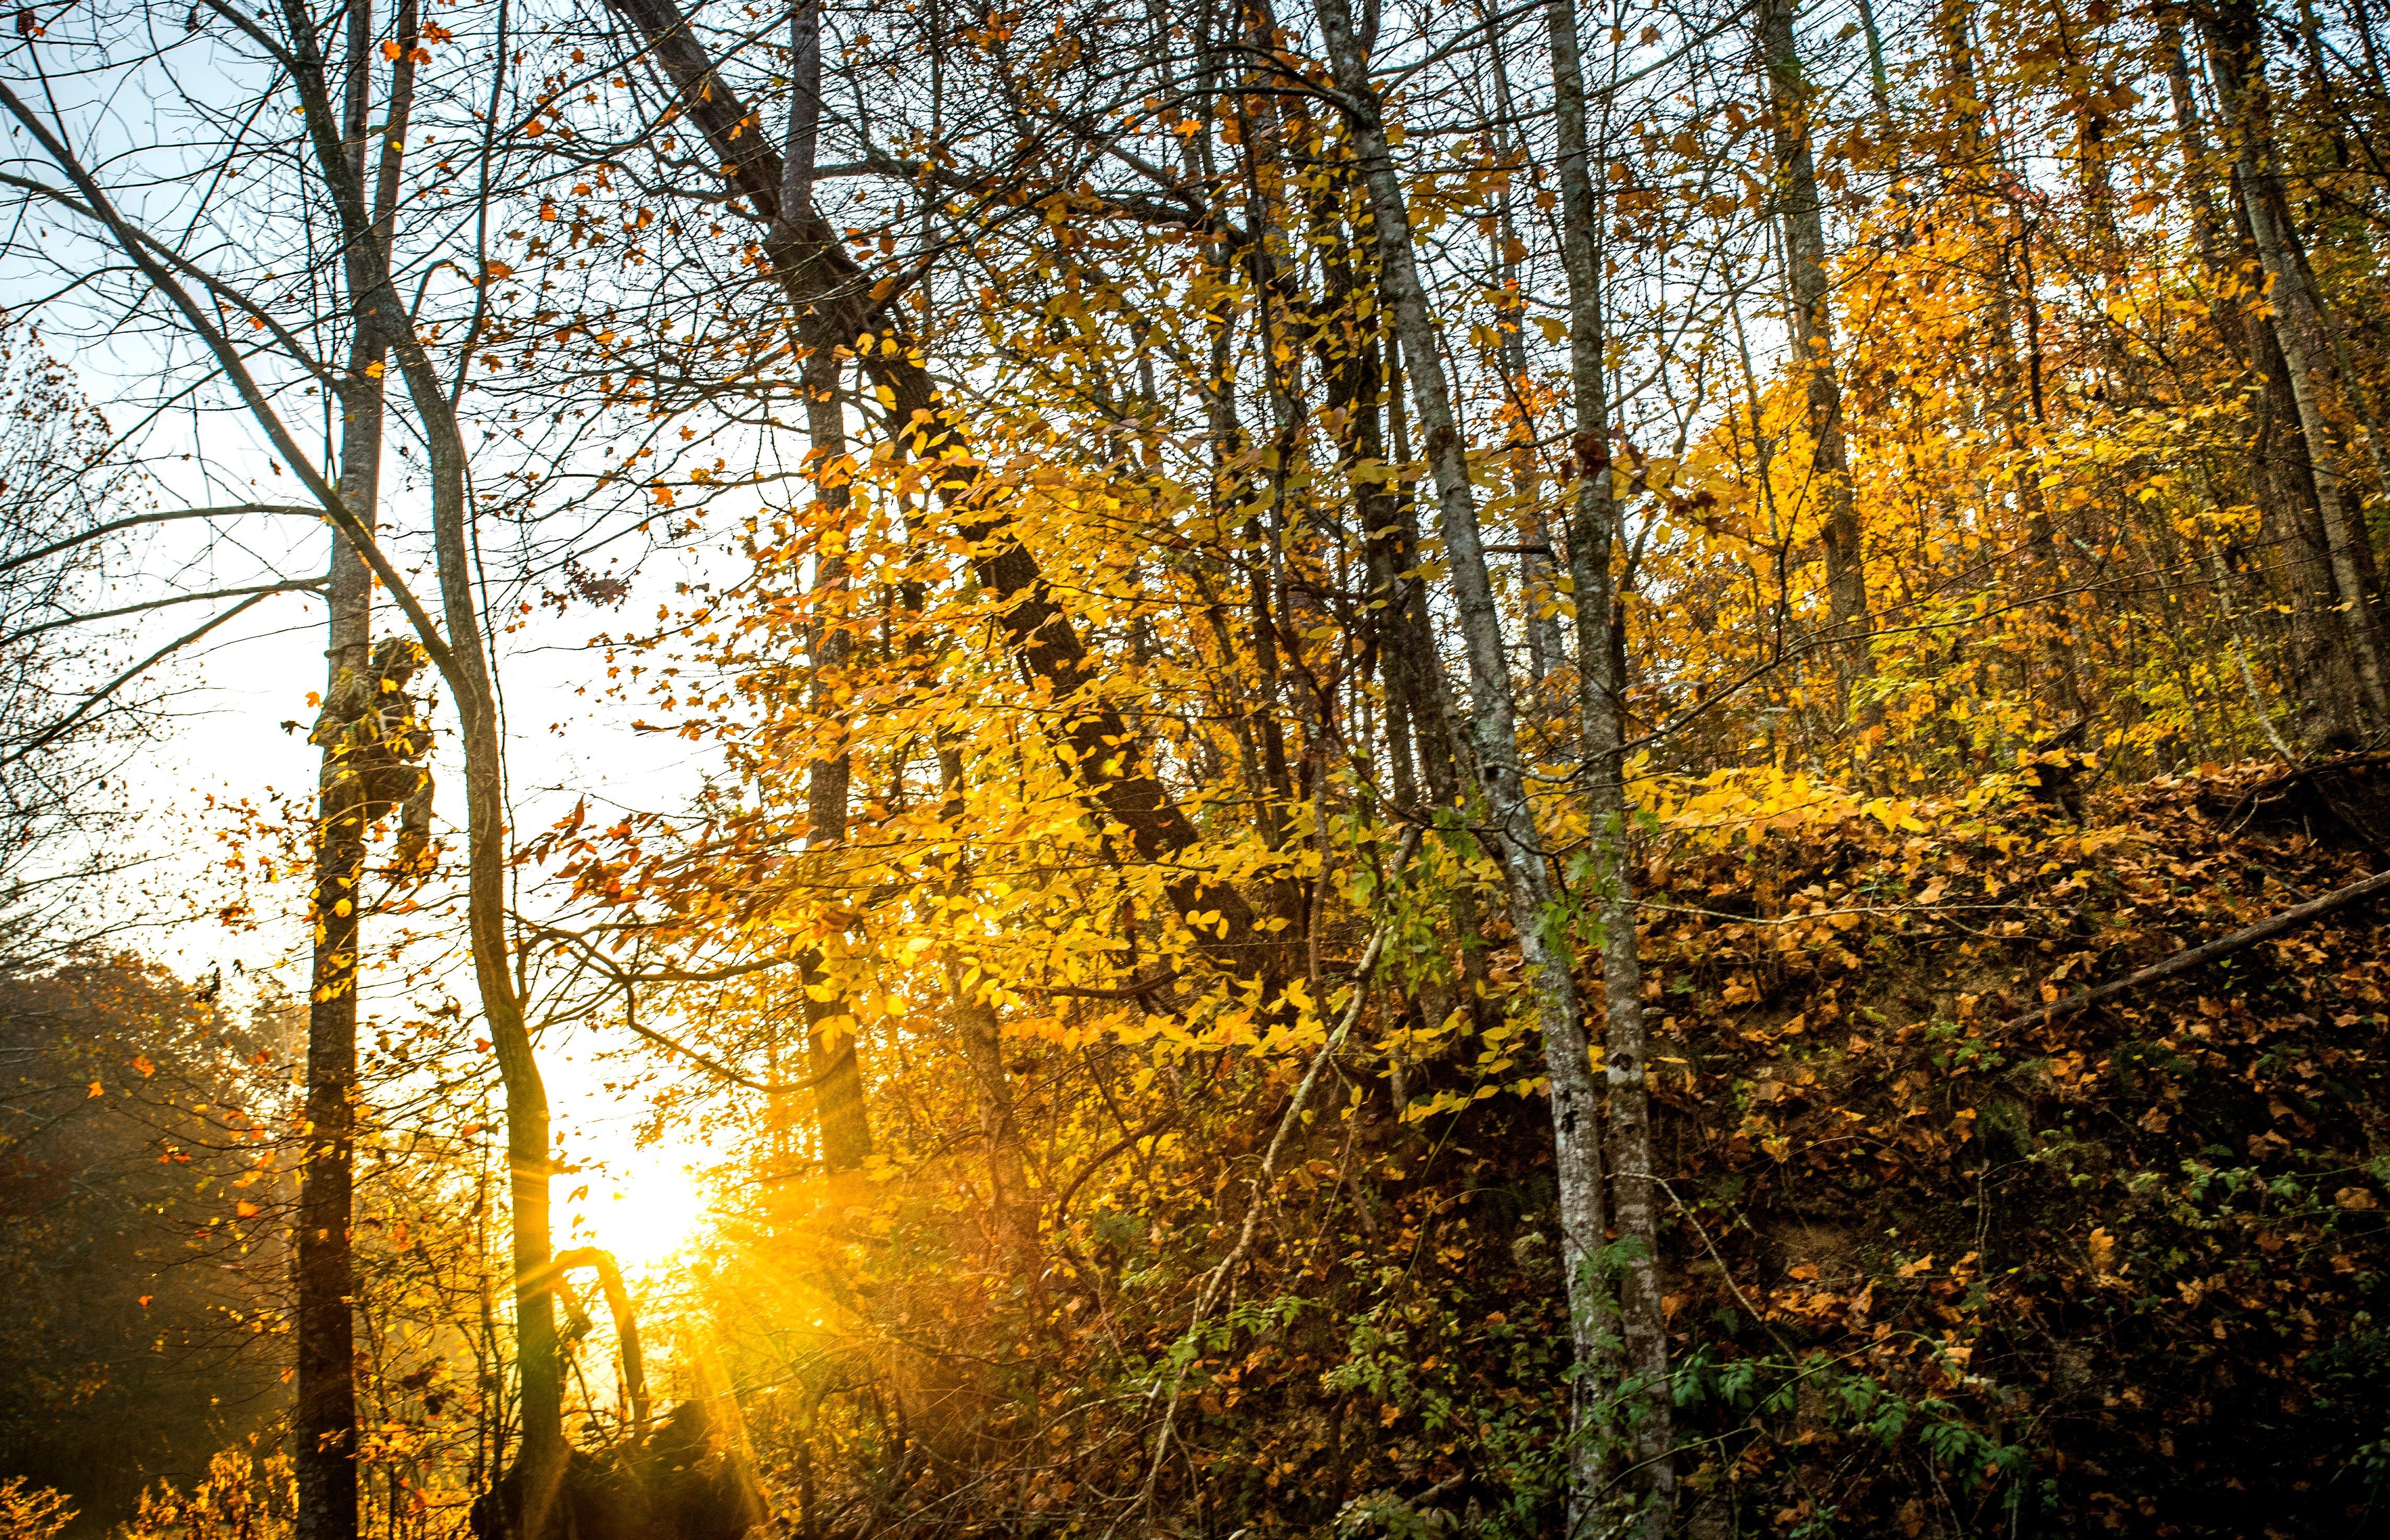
{"x":825,"y":769}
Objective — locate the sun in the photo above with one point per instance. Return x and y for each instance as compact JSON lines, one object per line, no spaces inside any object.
{"x":642,"y":1199}
{"x":645,"y":1206}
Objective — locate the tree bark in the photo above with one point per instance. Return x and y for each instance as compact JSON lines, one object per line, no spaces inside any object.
{"x":325,"y":1409}
{"x":2299,"y":327}
{"x":528,"y":1147}
{"x":1508,"y":819}
{"x":1434,"y":719}
{"x":1640,"y":1360}
{"x":842,"y":1115}
{"x":324,"y":1412}
{"x":830,"y":1053}
{"x":1790,"y":95}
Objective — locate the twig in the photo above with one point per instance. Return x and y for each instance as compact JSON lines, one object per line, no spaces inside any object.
{"x":1129,"y":993}
{"x":712,"y":1066}
{"x":135,"y":520}
{"x":1726,"y":1273}
{"x":66,"y":724}
{"x":2250,"y":797}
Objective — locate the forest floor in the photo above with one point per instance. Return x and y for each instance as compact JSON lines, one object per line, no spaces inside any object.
{"x":2116,"y":1269}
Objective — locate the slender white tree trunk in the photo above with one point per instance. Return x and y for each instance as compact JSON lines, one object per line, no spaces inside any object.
{"x":1639,"y":1373}
{"x":1508,"y":824}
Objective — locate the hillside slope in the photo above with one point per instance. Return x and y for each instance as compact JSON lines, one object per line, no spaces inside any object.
{"x":2128,"y":1258}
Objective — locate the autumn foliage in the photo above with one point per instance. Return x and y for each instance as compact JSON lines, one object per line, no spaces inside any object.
{"x":1403,"y":731}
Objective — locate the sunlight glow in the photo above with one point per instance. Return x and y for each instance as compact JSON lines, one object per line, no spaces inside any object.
{"x":645,"y":1206}
{"x":641,"y":1201}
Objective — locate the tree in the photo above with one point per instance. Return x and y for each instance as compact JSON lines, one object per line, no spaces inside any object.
{"x":73,"y":708}
{"x":338,"y":199}
{"x":1789,"y":97}
{"x":1518,"y":842}
{"x":2301,"y":331}
{"x":141,"y":1202}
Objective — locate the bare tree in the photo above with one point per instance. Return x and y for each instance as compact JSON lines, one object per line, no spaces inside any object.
{"x":77,"y":692}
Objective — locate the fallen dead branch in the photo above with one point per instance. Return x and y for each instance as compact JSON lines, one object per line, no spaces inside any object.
{"x":2222,"y":946}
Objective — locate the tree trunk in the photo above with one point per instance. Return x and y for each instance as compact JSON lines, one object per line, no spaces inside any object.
{"x":2019,"y":404}
{"x":464,"y":667}
{"x":831,"y":1058}
{"x":1509,"y":820}
{"x":1353,"y":365}
{"x":1427,"y":690}
{"x":528,"y":1150}
{"x":1879,"y":78}
{"x":2328,"y":694}
{"x":981,"y":1035}
{"x":324,"y":1413}
{"x":1643,"y":1390}
{"x":2299,"y":327}
{"x":1790,"y":95}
